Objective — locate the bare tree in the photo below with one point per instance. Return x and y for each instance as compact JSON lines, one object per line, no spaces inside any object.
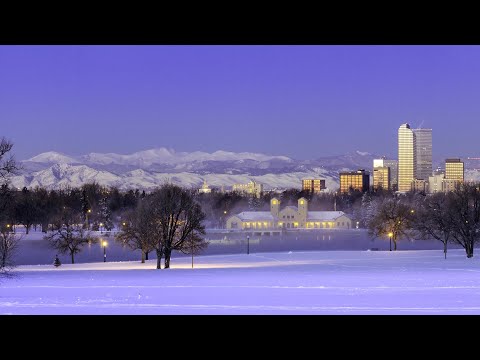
{"x":68,"y":234}
{"x":392,"y":219}
{"x":137,"y":228}
{"x":433,"y":220}
{"x":178,"y":217}
{"x":9,"y":243}
{"x":464,"y":213}
{"x":8,"y":165}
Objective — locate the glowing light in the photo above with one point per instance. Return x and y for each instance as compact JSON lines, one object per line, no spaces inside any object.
{"x":101,"y":224}
{"x":225,"y":212}
{"x":104,"y":243}
{"x":89,"y":210}
{"x":301,"y":202}
{"x":8,"y":225}
{"x":390,"y":234}
{"x":274,"y":202}
{"x":124,"y":223}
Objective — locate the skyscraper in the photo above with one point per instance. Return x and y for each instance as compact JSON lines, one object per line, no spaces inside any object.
{"x":392,"y":165}
{"x":423,"y":139}
{"x":407,"y":159}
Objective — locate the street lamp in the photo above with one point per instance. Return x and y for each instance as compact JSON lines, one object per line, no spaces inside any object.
{"x":104,"y":244}
{"x":248,"y":244}
{"x":86,"y":218}
{"x":101,"y":230}
{"x":390,"y":236}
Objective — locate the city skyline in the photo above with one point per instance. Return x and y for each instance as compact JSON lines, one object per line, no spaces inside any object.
{"x":336,"y":99}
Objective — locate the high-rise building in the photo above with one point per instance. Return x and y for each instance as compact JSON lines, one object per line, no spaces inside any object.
{"x":454,"y":169}
{"x":423,"y":146}
{"x":407,"y":159}
{"x":355,"y":180}
{"x":313,"y":185}
{"x":393,"y":172}
{"x":381,"y":177}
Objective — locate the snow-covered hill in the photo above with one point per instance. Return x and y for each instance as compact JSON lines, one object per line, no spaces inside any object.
{"x":150,"y":168}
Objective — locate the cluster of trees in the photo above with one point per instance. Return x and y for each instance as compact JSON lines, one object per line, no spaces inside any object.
{"x":8,"y":242}
{"x":452,"y":217}
{"x":97,"y":205}
{"x":167,"y":219}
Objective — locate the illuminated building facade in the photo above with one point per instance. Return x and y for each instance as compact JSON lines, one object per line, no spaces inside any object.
{"x":354,"y":180}
{"x":381,"y":178}
{"x":454,"y":169}
{"x":407,"y":158}
{"x":288,"y":218}
{"x":313,"y":185}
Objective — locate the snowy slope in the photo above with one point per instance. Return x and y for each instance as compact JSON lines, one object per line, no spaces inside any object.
{"x":60,"y":175}
{"x":53,"y":157}
{"x":328,"y":282}
{"x":150,"y":168}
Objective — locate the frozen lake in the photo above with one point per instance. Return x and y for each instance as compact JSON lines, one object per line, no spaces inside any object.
{"x":33,"y":250}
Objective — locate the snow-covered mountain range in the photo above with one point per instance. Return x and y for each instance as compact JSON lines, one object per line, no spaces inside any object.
{"x":150,"y":168}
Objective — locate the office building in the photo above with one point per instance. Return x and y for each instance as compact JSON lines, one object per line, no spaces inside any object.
{"x":381,"y":178}
{"x":435,"y":183}
{"x":313,"y":185}
{"x":423,"y":147}
{"x":393,"y":172}
{"x":407,"y":159}
{"x":454,"y":169}
{"x":354,"y":180}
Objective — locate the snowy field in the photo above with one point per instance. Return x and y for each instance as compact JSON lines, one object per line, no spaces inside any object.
{"x":317,"y":282}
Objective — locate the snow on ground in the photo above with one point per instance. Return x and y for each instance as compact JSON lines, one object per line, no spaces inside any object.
{"x":316,"y":282}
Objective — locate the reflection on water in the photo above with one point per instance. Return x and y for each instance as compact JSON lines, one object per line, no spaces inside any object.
{"x":32,"y":252}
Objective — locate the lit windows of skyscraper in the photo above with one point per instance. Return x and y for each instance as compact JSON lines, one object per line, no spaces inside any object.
{"x":407,"y":159}
{"x":423,"y":145}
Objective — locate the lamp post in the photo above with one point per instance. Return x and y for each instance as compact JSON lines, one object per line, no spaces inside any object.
{"x":248,"y":244}
{"x":86,"y":218}
{"x":104,"y":243}
{"x":101,"y":230}
{"x":390,"y":237}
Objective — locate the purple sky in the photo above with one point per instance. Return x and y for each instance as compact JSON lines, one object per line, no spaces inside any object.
{"x":300,"y":101}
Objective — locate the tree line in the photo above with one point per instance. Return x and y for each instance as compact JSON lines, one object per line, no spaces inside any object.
{"x":452,"y":217}
{"x":173,"y":218}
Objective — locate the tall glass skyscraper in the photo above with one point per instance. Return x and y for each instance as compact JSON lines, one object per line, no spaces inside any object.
{"x":407,"y":159}
{"x":423,"y":138}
